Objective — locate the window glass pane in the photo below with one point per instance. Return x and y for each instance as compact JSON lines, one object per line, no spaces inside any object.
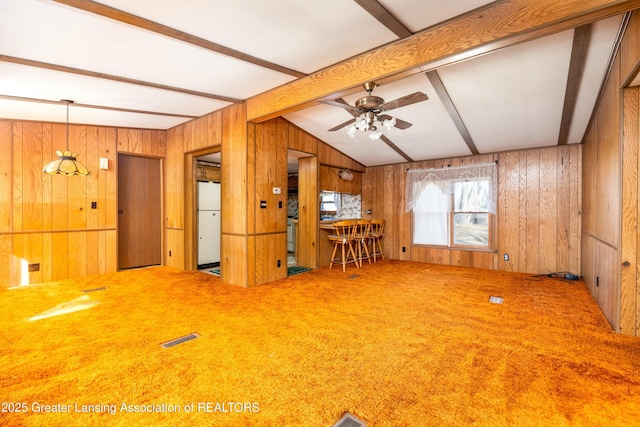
{"x":329,"y":201}
{"x":431,"y":217}
{"x":471,"y":196}
{"x":471,"y":229}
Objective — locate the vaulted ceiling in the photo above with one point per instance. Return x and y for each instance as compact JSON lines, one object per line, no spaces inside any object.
{"x":157,"y":64}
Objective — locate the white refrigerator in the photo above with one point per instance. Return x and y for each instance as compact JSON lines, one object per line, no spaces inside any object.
{"x":208,"y":224}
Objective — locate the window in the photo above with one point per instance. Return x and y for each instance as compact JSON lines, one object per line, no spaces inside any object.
{"x":471,"y":219}
{"x":329,"y":203}
{"x":431,"y":217}
{"x":453,"y":207}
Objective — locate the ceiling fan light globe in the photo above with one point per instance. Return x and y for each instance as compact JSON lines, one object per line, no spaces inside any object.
{"x":362,"y":123}
{"x":375,"y":135}
{"x":352,"y":131}
{"x":389,"y":123}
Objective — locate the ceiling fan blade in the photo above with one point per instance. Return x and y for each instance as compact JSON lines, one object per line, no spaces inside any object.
{"x":404,"y":101}
{"x":340,"y":126}
{"x":342,"y":104}
{"x":400,"y":124}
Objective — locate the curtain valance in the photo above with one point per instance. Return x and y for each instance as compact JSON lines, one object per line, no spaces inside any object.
{"x":443,"y":178}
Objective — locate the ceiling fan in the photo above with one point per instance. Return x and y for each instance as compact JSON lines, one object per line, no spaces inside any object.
{"x":367,"y":112}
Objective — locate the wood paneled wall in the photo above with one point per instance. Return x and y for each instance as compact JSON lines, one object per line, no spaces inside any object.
{"x":254,"y":161}
{"x":601,"y":197}
{"x":630,"y":234}
{"x":611,"y":186}
{"x":330,"y":181}
{"x":538,"y":219}
{"x":48,"y":220}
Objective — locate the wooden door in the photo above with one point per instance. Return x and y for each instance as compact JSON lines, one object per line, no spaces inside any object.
{"x":139,"y":212}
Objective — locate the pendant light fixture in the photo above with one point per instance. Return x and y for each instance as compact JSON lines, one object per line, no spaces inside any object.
{"x":66,"y":164}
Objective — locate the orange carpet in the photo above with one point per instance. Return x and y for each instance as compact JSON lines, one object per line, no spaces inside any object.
{"x":394,"y":343}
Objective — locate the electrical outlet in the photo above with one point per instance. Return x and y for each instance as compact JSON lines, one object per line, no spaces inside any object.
{"x":169,"y":253}
{"x":506,"y":257}
{"x":280,"y":204}
{"x":263,"y":204}
{"x":94,"y":205}
{"x":279,"y":263}
{"x":34,"y":267}
{"x":404,"y":249}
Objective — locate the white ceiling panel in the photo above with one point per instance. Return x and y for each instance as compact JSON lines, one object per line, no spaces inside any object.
{"x":302,"y":35}
{"x":417,"y":15}
{"x":603,"y":34}
{"x":21,"y":110}
{"x":513,"y":98}
{"x":38,"y":83}
{"x":62,"y":35}
{"x":509,"y":99}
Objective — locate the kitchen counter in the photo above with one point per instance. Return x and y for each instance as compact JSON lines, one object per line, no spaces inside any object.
{"x":327,"y":224}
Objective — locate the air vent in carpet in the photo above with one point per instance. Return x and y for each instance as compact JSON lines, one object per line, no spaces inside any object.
{"x":353,"y":276}
{"x":349,"y":420}
{"x":180,"y":340}
{"x":496,"y":300}
{"x":102,"y":288}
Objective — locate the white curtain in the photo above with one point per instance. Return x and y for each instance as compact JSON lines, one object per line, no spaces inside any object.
{"x":419,"y":179}
{"x":431,"y":217}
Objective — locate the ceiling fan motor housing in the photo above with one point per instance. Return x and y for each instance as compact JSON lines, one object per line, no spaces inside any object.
{"x":370,"y":103}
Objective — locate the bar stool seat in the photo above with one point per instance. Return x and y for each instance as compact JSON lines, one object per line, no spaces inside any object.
{"x":363,"y":240}
{"x":343,"y":237}
{"x":377,"y":234}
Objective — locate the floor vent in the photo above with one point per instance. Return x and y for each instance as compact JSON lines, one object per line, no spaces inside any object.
{"x":353,"y":276}
{"x":496,"y":300}
{"x":180,"y":340}
{"x":102,"y":288}
{"x":349,"y":420}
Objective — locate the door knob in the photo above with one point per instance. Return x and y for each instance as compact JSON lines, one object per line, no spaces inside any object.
{"x":120,"y":211}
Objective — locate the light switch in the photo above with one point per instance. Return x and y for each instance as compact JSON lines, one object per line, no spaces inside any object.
{"x":104,"y":163}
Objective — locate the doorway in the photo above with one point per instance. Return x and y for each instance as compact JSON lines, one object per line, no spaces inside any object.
{"x":208,"y":209}
{"x":139,"y":212}
{"x":293,"y":218}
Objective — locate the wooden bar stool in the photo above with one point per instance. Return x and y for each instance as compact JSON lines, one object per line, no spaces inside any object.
{"x":377,"y":234}
{"x":344,"y":237}
{"x":363,"y":240}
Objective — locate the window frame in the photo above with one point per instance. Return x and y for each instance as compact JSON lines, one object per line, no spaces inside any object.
{"x":451,"y":240}
{"x":454,"y":245}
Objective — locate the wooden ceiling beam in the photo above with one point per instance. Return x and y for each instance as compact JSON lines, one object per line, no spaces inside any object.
{"x":437,"y":84}
{"x":136,"y":21}
{"x":397,"y":149}
{"x":498,"y":25}
{"x":379,"y":12}
{"x":97,"y":107}
{"x":87,"y":73}
{"x":581,"y":37}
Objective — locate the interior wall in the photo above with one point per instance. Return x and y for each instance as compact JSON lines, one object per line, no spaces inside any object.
{"x":330,"y":181}
{"x":610,"y":192}
{"x":48,"y":219}
{"x":538,"y":219}
{"x":601,"y":195}
{"x":254,"y":161}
